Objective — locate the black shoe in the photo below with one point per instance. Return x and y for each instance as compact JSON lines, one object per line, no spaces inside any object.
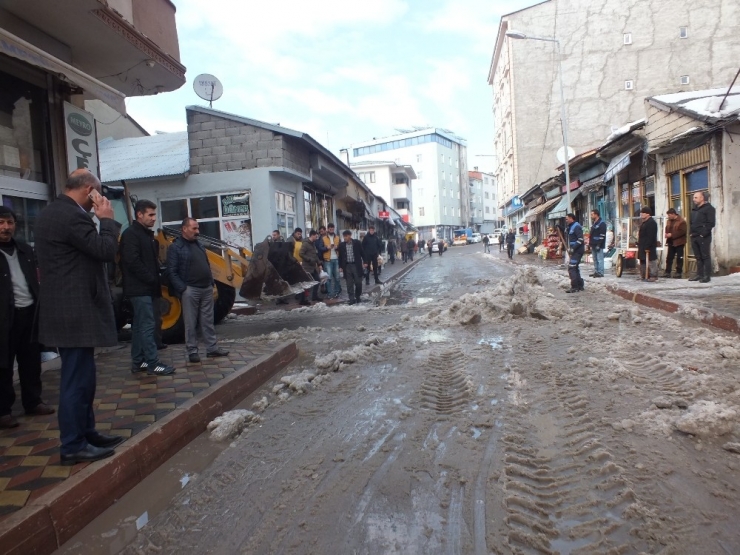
{"x":42,"y":409}
{"x":574,"y":290}
{"x":360,"y":300}
{"x":217,"y":353}
{"x":696,"y":278}
{"x":141,"y":367}
{"x":304,"y":302}
{"x":593,"y":275}
{"x":678,"y":276}
{"x":103,"y":440}
{"x":666,"y":275}
{"x":161,"y":347}
{"x":705,"y":280}
{"x":160,"y":370}
{"x":8,"y":421}
{"x":352,"y":302}
{"x":194,"y":358}
{"x":378,"y":282}
{"x":88,"y":454}
{"x":598,"y":275}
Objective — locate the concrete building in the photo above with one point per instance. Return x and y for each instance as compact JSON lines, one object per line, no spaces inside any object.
{"x":49,"y":55}
{"x":491,"y":218}
{"x":614,"y":54}
{"x":475,"y":196}
{"x":440,"y":192}
{"x":391,"y":181}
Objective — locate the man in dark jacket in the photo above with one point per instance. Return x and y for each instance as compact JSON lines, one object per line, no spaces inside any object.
{"x":597,"y":242}
{"x":19,"y":293}
{"x":510,"y":241}
{"x":139,"y":261}
{"x":352,"y":260}
{"x":310,"y":262}
{"x":404,"y":250}
{"x":675,"y":238}
{"x":392,"y":248}
{"x":191,"y":277}
{"x":647,"y":246}
{"x":75,"y":307}
{"x":372,"y":247}
{"x":410,"y":246}
{"x":574,"y":237}
{"x":501,"y":238}
{"x":702,"y":223}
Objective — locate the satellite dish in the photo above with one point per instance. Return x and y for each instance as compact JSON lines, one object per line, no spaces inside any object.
{"x":561,"y":154}
{"x":208,"y":87}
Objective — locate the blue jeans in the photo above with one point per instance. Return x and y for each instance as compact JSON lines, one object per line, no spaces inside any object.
{"x":143,"y":341}
{"x":598,"y":260}
{"x":76,"y":396}
{"x":333,"y":286}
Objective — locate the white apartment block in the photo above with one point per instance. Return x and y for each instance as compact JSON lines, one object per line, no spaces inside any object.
{"x":489,"y":206}
{"x":392,"y":182}
{"x":439,"y":194}
{"x":615,"y":53}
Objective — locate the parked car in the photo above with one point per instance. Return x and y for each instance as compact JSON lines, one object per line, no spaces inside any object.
{"x":476,"y":238}
{"x":435,"y":246}
{"x":496,"y":232}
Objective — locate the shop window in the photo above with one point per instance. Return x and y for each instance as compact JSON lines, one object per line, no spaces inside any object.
{"x":204,"y":207}
{"x":683,"y":186}
{"x":285,"y":213}
{"x":174,"y":210}
{"x":26,"y":210}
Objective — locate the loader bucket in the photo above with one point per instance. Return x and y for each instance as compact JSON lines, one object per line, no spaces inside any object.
{"x":274,"y":273}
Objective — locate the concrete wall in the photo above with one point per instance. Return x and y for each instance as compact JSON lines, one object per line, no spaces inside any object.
{"x":156,"y":20}
{"x":596,"y":63}
{"x":728,"y":200}
{"x":111,"y":124}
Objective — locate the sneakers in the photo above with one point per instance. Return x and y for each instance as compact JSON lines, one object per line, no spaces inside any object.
{"x":666,"y":275}
{"x":160,"y":370}
{"x":696,"y":278}
{"x":217,"y":353}
{"x":141,"y":367}
{"x":574,"y":290}
{"x":705,"y":280}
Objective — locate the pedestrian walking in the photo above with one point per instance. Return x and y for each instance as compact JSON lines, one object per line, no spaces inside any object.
{"x":410,"y":247}
{"x":75,"y":308}
{"x":139,"y":263}
{"x":404,"y":250}
{"x":440,"y":247}
{"x":430,"y":244}
{"x":352,"y":261}
{"x":486,"y":242}
{"x":310,"y":262}
{"x":675,"y":237}
{"x":574,"y":234}
{"x":392,"y":249}
{"x":501,"y":238}
{"x":597,"y":242}
{"x":647,"y":243}
{"x":702,"y":223}
{"x":331,"y":262}
{"x":19,"y":293}
{"x":510,"y":241}
{"x":372,"y":247}
{"x":421,"y":245}
{"x":192,"y":280}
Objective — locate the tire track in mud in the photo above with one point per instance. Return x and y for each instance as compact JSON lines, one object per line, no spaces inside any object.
{"x":446,"y":388}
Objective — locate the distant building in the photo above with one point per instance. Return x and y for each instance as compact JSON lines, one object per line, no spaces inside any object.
{"x":489,"y":205}
{"x":391,"y":181}
{"x":614,"y":54}
{"x":439,"y":194}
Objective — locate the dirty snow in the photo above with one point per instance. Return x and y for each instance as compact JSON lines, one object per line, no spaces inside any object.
{"x":707,"y":418}
{"x":231,"y":423}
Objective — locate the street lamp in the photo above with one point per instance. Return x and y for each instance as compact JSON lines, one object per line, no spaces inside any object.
{"x":523,"y":36}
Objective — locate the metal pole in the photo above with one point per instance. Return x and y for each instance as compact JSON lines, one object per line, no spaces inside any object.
{"x":564,"y":121}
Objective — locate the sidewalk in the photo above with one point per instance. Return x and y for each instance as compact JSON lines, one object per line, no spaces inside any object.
{"x":716,"y":303}
{"x":43,"y":503}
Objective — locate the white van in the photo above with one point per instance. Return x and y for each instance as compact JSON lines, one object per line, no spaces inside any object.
{"x":476,"y":238}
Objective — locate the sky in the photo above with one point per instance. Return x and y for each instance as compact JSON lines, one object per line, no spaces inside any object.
{"x":342,"y":71}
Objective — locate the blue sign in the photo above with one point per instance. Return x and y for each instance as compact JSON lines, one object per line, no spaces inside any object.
{"x":516,"y":201}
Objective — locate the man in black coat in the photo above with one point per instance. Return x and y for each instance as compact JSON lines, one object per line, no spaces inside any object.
{"x":510,"y":241}
{"x":352,"y":260}
{"x":647,"y":246}
{"x":372,"y":246}
{"x":19,"y":293}
{"x":75,"y":306}
{"x":140,"y":270}
{"x":702,"y":222}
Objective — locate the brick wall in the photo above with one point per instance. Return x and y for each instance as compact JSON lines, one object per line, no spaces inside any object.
{"x":219,"y":144}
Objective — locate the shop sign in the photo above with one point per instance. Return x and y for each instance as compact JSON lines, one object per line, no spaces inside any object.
{"x":235,"y":205}
{"x":82,"y":141}
{"x":384,"y":214}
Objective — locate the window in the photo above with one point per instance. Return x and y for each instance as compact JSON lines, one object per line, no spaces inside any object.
{"x":226,"y":217}
{"x":628,"y":38}
{"x":367,"y":177}
{"x":318,"y":209}
{"x":421,"y":210}
{"x":458,"y":194}
{"x":442,"y":158}
{"x":488,"y":209}
{"x":486,"y":195}
{"x":449,"y":160}
{"x":418,"y":175}
{"x":629,"y":85}
{"x":444,"y":192}
{"x":418,"y":157}
{"x":26,"y":210}
{"x":683,"y":32}
{"x":445,"y":210}
{"x":443,"y":175}
{"x":684,"y":79}
{"x":285,"y":205}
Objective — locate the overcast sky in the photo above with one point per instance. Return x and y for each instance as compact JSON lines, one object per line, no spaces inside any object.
{"x":343,"y":71}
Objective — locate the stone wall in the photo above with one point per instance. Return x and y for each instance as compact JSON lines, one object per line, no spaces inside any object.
{"x":218,"y":144}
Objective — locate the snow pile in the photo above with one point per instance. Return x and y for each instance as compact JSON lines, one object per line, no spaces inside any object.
{"x":336,"y":360}
{"x":520,"y":296}
{"x":260,"y":405}
{"x":231,"y":423}
{"x":299,"y":383}
{"x":707,"y":418}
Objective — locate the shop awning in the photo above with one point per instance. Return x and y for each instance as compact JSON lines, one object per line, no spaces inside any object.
{"x":561,"y":209}
{"x":537,"y":210}
{"x":592,"y":184}
{"x":400,"y":223}
{"x":617,"y":165}
{"x":22,"y":50}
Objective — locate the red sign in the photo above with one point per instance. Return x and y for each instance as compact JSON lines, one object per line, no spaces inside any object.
{"x":383,"y":214}
{"x":406,"y":218}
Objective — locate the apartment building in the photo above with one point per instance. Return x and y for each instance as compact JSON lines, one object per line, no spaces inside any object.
{"x":391,"y":181}
{"x":490,"y":218}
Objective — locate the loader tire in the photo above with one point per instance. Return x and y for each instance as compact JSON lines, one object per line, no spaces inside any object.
{"x":173,"y":323}
{"x":224,"y":301}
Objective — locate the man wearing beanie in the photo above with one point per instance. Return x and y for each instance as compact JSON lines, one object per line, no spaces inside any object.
{"x":647,"y":243}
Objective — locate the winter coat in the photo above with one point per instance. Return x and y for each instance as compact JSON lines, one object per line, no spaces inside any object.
{"x":320,"y":247}
{"x":597,"y":235}
{"x":677,"y":229}
{"x":391,"y":247}
{"x":501,"y":238}
{"x":359,"y":255}
{"x":485,"y":239}
{"x":404,"y":246}
{"x":575,"y":237}
{"x":702,"y":220}
{"x":510,"y":238}
{"x":75,"y":304}
{"x":295,"y":247}
{"x":139,"y":262}
{"x":647,"y":239}
{"x":327,"y":243}
{"x":27,"y":261}
{"x":411,"y":245}
{"x":309,"y":256}
{"x":178,"y":263}
{"x":372,"y":245}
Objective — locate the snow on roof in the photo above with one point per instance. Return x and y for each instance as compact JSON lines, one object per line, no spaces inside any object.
{"x":625,"y":129}
{"x":162,"y":155}
{"x":703,"y":104}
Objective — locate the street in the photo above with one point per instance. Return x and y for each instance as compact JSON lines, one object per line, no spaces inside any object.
{"x":476,"y":408}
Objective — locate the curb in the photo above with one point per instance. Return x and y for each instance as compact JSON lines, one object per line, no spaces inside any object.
{"x":705,"y":316}
{"x":380,"y":289}
{"x":47,"y":523}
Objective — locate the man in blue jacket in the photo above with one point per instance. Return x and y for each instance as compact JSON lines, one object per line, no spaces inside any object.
{"x":191,"y":278}
{"x":597,"y":242}
{"x":574,"y":236}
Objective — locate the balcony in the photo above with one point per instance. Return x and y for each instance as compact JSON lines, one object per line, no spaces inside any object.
{"x":401,"y":191}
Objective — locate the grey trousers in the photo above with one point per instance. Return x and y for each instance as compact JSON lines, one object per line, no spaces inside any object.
{"x":197,"y":310}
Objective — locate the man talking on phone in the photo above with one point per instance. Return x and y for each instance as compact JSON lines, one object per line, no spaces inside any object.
{"x":75,"y":308}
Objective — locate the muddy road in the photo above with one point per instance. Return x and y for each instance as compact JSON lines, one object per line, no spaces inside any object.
{"x":478,"y":409}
